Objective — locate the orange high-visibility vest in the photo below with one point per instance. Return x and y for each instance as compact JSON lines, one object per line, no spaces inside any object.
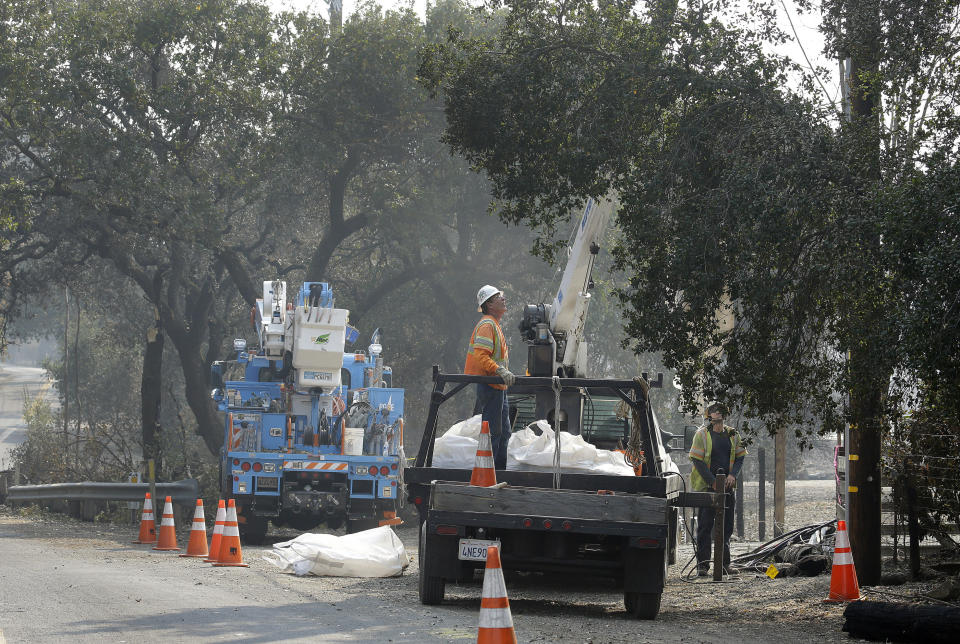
{"x":488,"y":350}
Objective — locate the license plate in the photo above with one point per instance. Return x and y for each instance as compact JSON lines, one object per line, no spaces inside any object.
{"x":475,"y":549}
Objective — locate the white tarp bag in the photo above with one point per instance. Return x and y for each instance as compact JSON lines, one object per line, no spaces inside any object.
{"x":532,"y":453}
{"x":457,"y":448}
{"x":372,"y":553}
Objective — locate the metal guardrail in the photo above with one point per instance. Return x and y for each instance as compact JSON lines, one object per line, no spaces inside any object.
{"x":183,"y":492}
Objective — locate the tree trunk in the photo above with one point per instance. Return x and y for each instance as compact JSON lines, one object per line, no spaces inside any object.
{"x":188,"y":332}
{"x":897,"y":622}
{"x":340,"y":227}
{"x":197,"y":384}
{"x":150,"y":391}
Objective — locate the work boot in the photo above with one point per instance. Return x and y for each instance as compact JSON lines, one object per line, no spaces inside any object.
{"x":703,"y":571}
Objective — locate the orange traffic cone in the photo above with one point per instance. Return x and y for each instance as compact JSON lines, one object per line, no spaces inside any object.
{"x":496,"y":623}
{"x":168,"y":532}
{"x":217,"y":532}
{"x":197,"y":546}
{"x":230,"y":552}
{"x":843,"y":579}
{"x":483,"y":471}
{"x":148,"y":528}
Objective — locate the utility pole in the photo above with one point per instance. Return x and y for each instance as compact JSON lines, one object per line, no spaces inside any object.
{"x":862,"y":38}
{"x":336,"y":15}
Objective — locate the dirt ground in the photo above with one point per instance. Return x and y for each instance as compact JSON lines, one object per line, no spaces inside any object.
{"x":745,"y":608}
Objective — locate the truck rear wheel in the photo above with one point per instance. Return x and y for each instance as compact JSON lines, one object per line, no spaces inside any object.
{"x":431,"y":588}
{"x":254,"y":531}
{"x":642,"y":605}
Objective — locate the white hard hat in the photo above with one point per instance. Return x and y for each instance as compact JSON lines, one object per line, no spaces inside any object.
{"x":485,"y":293}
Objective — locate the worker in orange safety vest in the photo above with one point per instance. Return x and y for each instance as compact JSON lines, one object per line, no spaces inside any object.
{"x":488,"y":355}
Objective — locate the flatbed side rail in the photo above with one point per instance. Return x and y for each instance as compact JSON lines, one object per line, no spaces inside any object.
{"x":608,"y":527}
{"x":633,"y":392}
{"x":669,"y":486}
{"x":571,"y":504}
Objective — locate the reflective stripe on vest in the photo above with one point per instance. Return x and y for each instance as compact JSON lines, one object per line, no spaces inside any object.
{"x":484,"y":343}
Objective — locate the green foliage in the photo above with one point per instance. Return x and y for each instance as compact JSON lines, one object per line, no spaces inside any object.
{"x":922,"y":455}
{"x":739,"y":197}
{"x":185,"y":152}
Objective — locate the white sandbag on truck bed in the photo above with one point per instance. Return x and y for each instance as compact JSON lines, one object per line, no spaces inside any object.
{"x":457,"y":448}
{"x":372,"y":553}
{"x":526,"y":451}
{"x":529,"y":452}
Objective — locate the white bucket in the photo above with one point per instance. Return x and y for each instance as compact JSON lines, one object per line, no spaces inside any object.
{"x":353,"y":441}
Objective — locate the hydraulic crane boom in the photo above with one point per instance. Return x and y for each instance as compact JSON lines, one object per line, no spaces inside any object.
{"x":554,"y":332}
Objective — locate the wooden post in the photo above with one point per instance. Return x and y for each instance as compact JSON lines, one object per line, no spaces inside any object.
{"x":913,"y":521}
{"x":152,"y":479}
{"x":718,"y":519}
{"x":740,"y":507}
{"x":779,"y":482}
{"x":66,"y":364}
{"x":762,"y":492}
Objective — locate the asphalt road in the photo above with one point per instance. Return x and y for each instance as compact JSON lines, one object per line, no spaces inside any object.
{"x":63,"y":580}
{"x":16,"y":384}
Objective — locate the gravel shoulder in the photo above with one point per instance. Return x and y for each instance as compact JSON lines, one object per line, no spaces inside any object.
{"x":65,"y":580}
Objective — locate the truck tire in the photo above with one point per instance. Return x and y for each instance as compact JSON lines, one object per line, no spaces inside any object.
{"x":226,"y":482}
{"x":254,"y":531}
{"x":642,"y":605}
{"x":646,"y":605}
{"x":431,"y":588}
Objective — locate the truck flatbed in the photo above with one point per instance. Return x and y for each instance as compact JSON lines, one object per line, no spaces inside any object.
{"x":619,"y":527}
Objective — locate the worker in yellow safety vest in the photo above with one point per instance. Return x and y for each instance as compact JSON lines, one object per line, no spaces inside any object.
{"x":488,"y":355}
{"x":716,"y":449}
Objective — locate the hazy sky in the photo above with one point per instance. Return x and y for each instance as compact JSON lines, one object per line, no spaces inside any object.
{"x":806,"y":27}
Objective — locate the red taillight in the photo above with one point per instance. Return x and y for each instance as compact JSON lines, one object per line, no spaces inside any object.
{"x":547,"y":523}
{"x":393,"y":466}
{"x":236,"y":461}
{"x":566,"y":525}
{"x":418,"y":500}
{"x":527,"y":523}
{"x":257,"y":467}
{"x":393,"y":483}
{"x":236,"y":478}
{"x":373,"y":470}
{"x":245,"y":467}
{"x":384,"y":470}
{"x":446,"y":529}
{"x":645,"y":543}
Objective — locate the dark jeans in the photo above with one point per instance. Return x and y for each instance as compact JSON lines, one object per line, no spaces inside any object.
{"x":705,"y":518}
{"x":492,"y":406}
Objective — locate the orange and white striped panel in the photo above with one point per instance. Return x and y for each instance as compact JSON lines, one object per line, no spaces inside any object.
{"x":314,"y":465}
